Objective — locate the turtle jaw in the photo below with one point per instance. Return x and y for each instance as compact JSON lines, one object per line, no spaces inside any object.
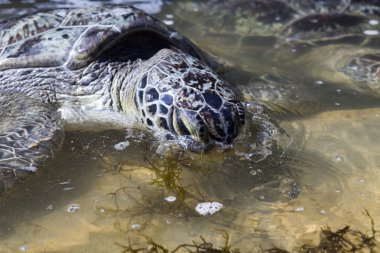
{"x":202,"y":130}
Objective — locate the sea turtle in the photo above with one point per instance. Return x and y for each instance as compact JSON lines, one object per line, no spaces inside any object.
{"x":334,"y":42}
{"x":353,"y":68}
{"x":113,"y":64}
{"x":293,"y":20}
{"x":259,"y":26}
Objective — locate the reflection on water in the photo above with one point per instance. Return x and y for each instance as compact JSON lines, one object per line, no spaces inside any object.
{"x":308,"y":157}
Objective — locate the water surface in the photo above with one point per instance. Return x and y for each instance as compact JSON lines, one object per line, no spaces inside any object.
{"x":315,"y":164}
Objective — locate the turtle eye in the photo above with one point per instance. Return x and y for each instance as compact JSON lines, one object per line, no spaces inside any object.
{"x":189,"y":123}
{"x":180,"y":124}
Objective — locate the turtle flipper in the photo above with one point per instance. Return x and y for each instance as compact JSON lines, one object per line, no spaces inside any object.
{"x":30,"y":133}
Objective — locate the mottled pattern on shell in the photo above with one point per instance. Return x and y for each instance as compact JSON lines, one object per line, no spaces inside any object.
{"x":74,"y":37}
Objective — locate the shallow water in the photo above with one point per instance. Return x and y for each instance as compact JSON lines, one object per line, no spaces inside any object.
{"x":316,"y":164}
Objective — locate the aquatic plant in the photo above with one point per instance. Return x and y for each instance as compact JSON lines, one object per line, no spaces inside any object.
{"x":343,"y":240}
{"x":150,"y":198}
{"x":195,"y":247}
{"x":167,"y":175}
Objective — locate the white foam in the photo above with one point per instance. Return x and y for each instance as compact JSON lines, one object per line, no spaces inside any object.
{"x":208,"y":208}
{"x":170,"y":198}
{"x":121,"y":145}
{"x":72,"y":208}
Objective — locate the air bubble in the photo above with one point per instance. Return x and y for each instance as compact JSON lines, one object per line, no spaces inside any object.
{"x":338,"y":158}
{"x":168,"y":22}
{"x":299,"y":209}
{"x":136,"y":226}
{"x":23,"y":248}
{"x":69,"y":188}
{"x":72,"y":208}
{"x":319,"y":82}
{"x":255,"y":172}
{"x":371,"y":32}
{"x":373,"y":22}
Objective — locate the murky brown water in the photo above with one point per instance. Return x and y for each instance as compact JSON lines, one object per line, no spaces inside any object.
{"x":323,"y":171}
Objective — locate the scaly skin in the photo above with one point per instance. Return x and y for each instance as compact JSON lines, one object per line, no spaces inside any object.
{"x":172,"y":91}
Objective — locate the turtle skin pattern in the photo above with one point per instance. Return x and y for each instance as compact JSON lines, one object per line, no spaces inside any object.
{"x":181,"y":94}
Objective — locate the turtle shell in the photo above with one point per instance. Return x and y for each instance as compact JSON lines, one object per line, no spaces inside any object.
{"x":75,"y":37}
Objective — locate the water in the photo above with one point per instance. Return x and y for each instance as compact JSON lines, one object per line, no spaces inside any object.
{"x":315,"y":162}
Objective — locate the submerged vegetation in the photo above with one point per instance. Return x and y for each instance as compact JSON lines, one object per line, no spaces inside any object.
{"x":195,"y":247}
{"x":166,"y":175}
{"x":150,"y":196}
{"x":343,"y":240}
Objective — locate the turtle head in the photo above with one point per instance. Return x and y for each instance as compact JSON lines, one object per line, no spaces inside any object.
{"x":180,"y":94}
